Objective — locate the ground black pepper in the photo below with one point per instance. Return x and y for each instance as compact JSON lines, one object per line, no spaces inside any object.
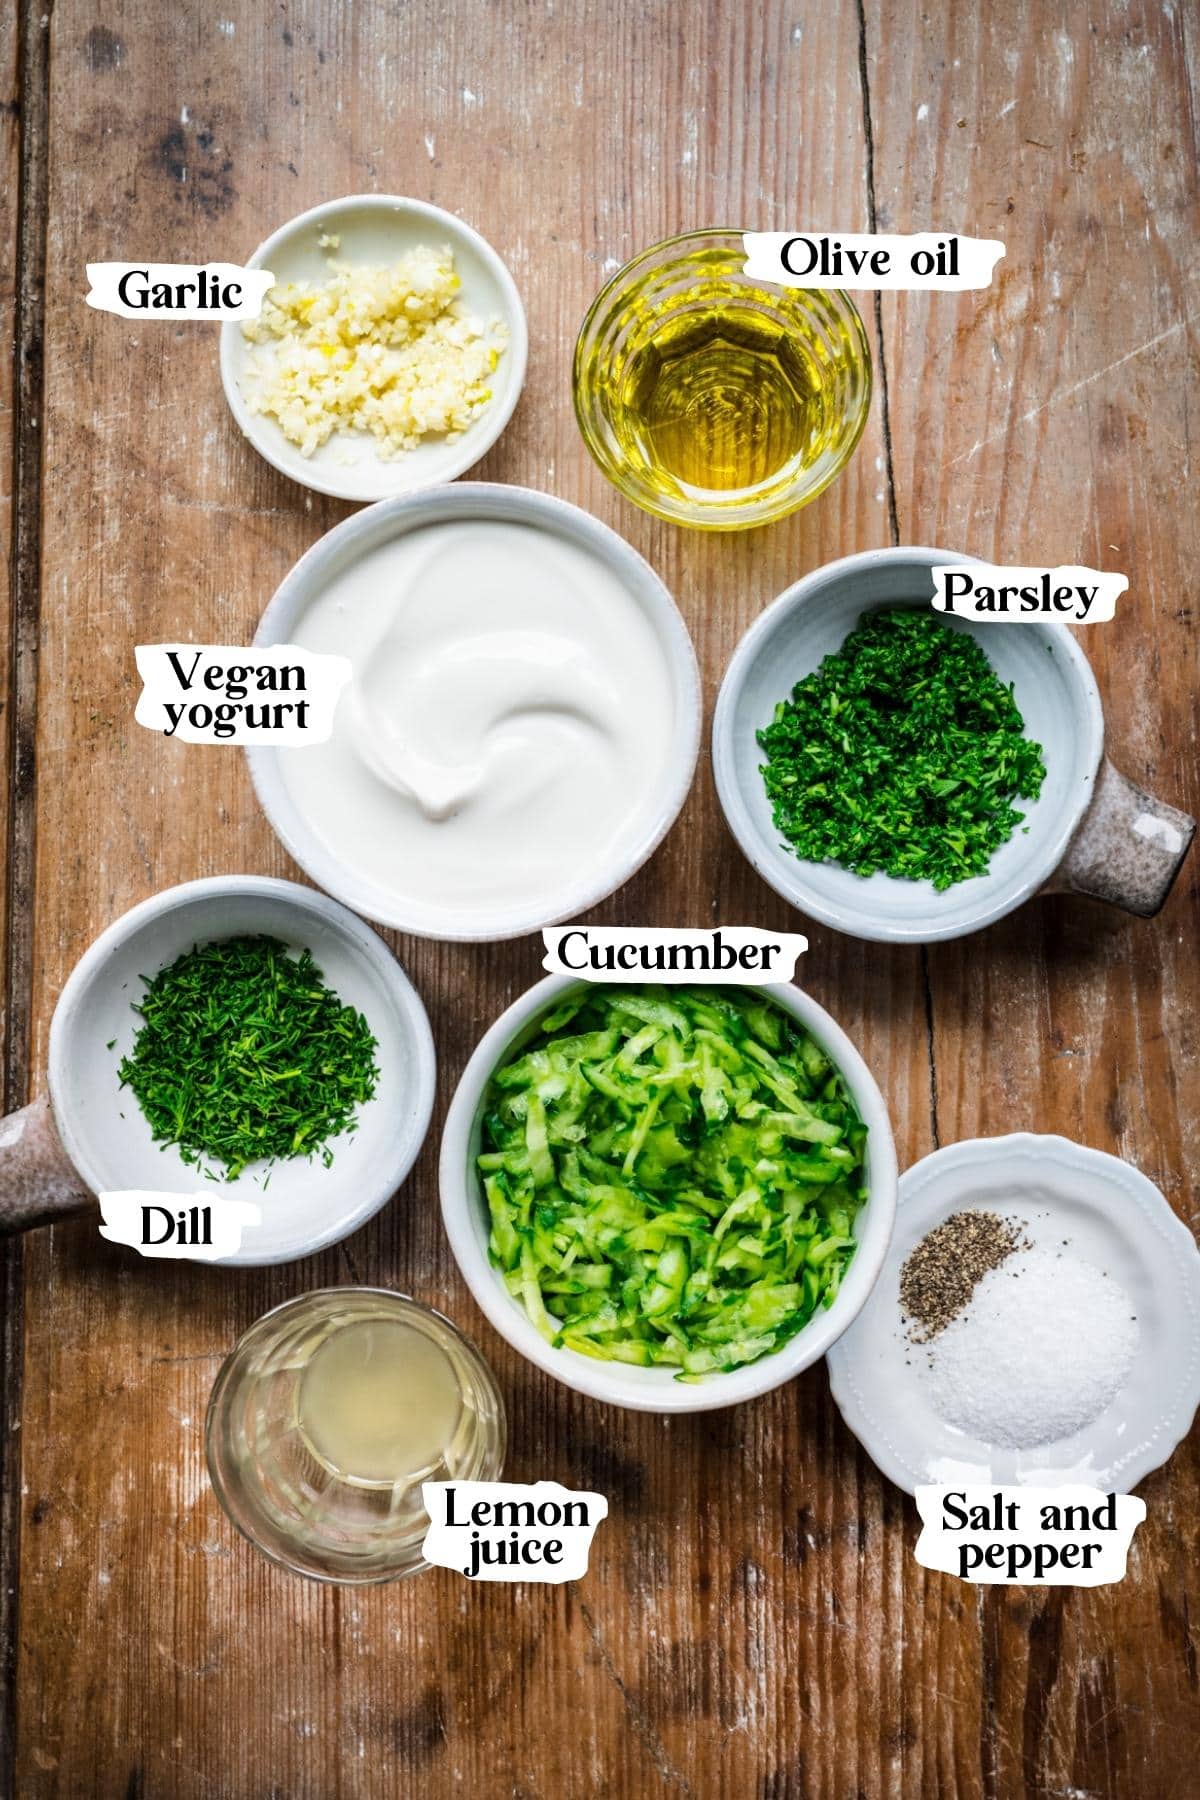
{"x":938,"y":1278}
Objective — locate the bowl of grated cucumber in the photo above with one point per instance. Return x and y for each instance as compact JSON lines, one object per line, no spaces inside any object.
{"x":670,"y":1198}
{"x":906,"y":776}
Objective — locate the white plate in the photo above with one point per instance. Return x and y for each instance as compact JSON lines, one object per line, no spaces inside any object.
{"x":305,"y":1205}
{"x":380,"y":228}
{"x":1119,"y":1221}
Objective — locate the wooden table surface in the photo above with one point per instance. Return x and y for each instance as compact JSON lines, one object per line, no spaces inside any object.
{"x":754,"y":1623}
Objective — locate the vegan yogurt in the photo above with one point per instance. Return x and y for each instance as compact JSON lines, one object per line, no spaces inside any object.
{"x":505,"y":736}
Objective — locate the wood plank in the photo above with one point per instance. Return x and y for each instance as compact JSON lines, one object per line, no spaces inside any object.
{"x":23,"y":118}
{"x":1048,"y":421}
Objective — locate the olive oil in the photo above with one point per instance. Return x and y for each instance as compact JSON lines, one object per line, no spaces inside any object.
{"x":713,"y":399}
{"x":722,"y":400}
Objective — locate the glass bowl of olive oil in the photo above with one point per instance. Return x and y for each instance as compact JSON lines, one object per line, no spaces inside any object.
{"x":713,"y":400}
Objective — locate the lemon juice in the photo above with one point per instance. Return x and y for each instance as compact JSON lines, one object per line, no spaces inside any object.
{"x":379,"y":1402}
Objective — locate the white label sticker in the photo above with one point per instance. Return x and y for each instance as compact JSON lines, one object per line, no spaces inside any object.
{"x":182,"y":1227}
{"x":851,"y":260}
{"x":1071,"y":1536}
{"x":618,"y":952}
{"x":992,"y":594}
{"x":223,"y":694}
{"x":501,"y":1531}
{"x":149,"y":290}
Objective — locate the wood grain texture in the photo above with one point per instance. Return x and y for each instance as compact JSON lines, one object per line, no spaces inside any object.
{"x":23,"y":119}
{"x":754,"y":1623}
{"x":1054,"y":412}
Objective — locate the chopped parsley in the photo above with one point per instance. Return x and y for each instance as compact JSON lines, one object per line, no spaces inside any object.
{"x":244,"y":1055}
{"x":902,"y":753}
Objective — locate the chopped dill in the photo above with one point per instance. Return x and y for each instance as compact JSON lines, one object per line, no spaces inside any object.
{"x":244,"y":1055}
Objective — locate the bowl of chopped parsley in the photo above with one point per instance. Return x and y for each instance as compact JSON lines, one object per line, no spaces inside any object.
{"x":671,"y":1198}
{"x":246,"y":1038}
{"x":896,"y":773}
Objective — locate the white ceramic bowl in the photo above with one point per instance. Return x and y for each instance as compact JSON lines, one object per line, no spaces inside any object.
{"x":304,"y":1205}
{"x":464,"y":1210}
{"x":379,"y":228}
{"x":1054,"y":688}
{"x":658,"y":806}
{"x":1121,"y":1224}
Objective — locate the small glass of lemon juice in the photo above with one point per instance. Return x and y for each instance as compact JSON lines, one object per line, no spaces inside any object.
{"x":327,"y":1417}
{"x":714,"y":400}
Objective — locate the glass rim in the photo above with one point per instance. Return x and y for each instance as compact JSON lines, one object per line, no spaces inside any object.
{"x":710,"y":513}
{"x":697,"y":237}
{"x":343,"y":1288}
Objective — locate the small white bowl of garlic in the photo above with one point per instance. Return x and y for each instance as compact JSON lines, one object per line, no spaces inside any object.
{"x":389,"y":355}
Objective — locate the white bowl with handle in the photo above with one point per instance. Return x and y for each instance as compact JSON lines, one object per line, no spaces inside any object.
{"x":90,"y":1137}
{"x":1090,"y":830}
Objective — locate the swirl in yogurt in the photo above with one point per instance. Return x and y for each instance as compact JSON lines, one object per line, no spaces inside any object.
{"x":506,"y":729}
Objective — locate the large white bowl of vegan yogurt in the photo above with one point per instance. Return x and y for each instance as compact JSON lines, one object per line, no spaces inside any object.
{"x":521,"y":724}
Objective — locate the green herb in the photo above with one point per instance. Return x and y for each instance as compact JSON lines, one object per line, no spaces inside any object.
{"x":902,"y":753}
{"x":244,"y":1054}
{"x":672,"y":1177}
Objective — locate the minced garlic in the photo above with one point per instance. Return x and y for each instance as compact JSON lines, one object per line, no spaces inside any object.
{"x":390,"y":351}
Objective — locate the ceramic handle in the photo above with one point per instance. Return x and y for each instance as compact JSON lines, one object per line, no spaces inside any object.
{"x":1129,"y":848}
{"x":38,"y":1184}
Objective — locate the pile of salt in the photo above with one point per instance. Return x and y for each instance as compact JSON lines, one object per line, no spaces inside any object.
{"x":1044,"y":1346}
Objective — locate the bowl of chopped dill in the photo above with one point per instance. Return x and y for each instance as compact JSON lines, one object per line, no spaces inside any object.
{"x":670,"y":1198}
{"x":239,"y":1037}
{"x":905,"y":775}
